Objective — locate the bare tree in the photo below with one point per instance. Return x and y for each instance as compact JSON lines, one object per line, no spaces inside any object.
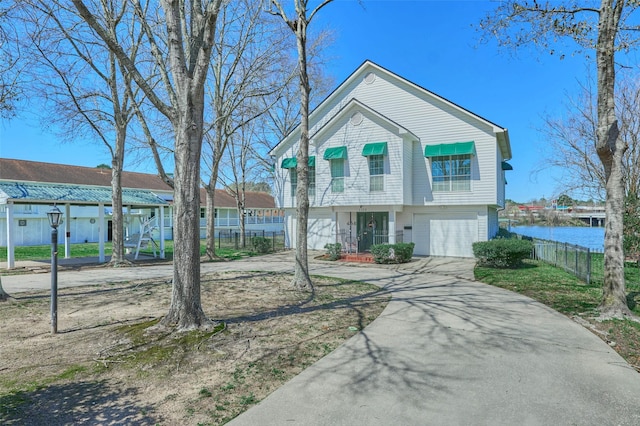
{"x":604,"y":29}
{"x":298,"y":23}
{"x":245,"y":55}
{"x":572,"y":138}
{"x":12,"y":61}
{"x":242,"y":161}
{"x":87,"y":90}
{"x":184,"y":31}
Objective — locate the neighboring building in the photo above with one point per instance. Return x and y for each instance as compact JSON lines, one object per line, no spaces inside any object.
{"x":391,"y":161}
{"x":28,"y":189}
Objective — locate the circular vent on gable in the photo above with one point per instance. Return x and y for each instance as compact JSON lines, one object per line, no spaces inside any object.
{"x":356,"y":118}
{"x":369,"y":78}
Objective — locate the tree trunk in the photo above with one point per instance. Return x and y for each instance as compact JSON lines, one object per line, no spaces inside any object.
{"x":117,"y":254}
{"x":301,"y":279}
{"x":211,"y":222}
{"x":185,"y":311}
{"x":242,"y":224}
{"x":3,"y":294}
{"x":611,"y":150}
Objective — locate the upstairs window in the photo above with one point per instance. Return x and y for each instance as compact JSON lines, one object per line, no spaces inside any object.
{"x":375,"y":153}
{"x":291,"y":164}
{"x":451,"y":166}
{"x":376,"y":173}
{"x":336,"y":157}
{"x":312,"y":182}
{"x":337,"y":175}
{"x":451,"y":174}
{"x":293,"y":177}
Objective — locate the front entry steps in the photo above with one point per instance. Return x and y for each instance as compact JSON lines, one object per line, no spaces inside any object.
{"x":357,"y":257}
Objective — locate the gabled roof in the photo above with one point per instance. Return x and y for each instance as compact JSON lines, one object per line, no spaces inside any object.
{"x":35,"y":171}
{"x":501,"y":132}
{"x":356,"y":105}
{"x":49,"y":182}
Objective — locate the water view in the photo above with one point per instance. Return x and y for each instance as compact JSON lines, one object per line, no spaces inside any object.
{"x":592,"y":238}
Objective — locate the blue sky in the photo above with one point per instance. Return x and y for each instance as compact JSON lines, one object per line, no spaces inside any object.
{"x":431,"y":43}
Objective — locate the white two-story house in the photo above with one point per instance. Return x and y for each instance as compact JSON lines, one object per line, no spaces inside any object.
{"x":393,"y":162}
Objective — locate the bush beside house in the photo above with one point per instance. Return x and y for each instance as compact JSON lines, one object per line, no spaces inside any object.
{"x":502,"y":252}
{"x":392,"y":253}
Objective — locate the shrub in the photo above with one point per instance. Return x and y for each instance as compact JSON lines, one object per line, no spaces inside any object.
{"x":392,"y":253}
{"x":261,"y":244}
{"x":502,"y":253}
{"x":333,"y":251}
{"x":504,"y":233}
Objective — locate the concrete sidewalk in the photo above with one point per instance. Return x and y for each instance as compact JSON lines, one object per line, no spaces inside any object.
{"x":445,"y":351}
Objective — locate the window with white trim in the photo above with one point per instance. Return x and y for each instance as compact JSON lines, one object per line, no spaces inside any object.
{"x":376,"y":173}
{"x":337,"y":175}
{"x":312,"y":182}
{"x":293,"y":177}
{"x":451,"y":173}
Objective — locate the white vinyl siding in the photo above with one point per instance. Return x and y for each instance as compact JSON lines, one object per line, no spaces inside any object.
{"x":443,"y":216}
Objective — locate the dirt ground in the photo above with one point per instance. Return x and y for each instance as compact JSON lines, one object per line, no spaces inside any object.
{"x":105,"y":367}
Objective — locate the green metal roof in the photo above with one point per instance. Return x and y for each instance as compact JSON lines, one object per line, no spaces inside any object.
{"x":446,"y":149}
{"x":292,"y":163}
{"x":339,"y":152}
{"x":378,"y":148}
{"x":78,"y":194}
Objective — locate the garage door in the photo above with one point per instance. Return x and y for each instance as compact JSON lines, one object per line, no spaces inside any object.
{"x":452,"y":235}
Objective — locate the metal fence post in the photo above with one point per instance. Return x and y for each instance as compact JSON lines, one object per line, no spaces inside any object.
{"x":588,"y":266}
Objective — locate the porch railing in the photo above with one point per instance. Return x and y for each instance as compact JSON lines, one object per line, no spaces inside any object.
{"x":352,"y":242}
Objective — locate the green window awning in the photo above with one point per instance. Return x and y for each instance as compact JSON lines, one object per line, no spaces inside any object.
{"x":506,"y":166}
{"x":446,"y":149}
{"x":339,"y":152}
{"x":378,"y":148}
{"x":292,"y":163}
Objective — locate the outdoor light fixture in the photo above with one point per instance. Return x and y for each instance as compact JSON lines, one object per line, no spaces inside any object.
{"x":54,"y":217}
{"x":54,"y":220}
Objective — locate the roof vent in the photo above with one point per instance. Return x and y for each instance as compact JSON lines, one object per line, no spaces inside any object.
{"x":356,"y":118}
{"x":369,"y":78}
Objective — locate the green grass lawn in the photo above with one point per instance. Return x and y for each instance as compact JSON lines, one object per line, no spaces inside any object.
{"x":91,"y":250}
{"x":568,"y":295}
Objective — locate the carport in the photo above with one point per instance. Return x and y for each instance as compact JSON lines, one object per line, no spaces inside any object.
{"x":13,"y":193}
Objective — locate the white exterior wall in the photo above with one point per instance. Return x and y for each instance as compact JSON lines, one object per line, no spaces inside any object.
{"x":356,"y":180}
{"x":408,"y":119}
{"x":84,"y":225}
{"x":448,"y":231}
{"x":431,"y":120}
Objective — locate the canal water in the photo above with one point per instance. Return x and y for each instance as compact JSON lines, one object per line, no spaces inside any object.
{"x":592,"y":238}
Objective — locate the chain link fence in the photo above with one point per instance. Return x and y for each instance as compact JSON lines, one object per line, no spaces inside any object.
{"x":584,"y":263}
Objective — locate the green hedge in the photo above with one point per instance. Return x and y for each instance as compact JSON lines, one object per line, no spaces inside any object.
{"x":392,"y":253}
{"x":502,"y":253}
{"x":334,"y":251}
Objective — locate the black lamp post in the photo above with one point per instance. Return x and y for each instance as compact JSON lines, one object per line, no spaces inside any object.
{"x":54,"y":220}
